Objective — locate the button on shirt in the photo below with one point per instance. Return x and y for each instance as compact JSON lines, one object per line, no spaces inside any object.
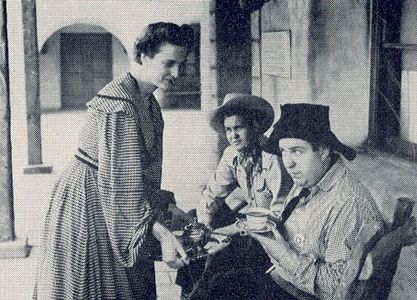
{"x":321,"y":231}
{"x":231,"y":172}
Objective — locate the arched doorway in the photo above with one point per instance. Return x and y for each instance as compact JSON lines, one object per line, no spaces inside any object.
{"x":76,"y":62}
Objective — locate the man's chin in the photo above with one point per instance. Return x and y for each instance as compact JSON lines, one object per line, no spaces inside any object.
{"x":165,"y":85}
{"x":299,"y":181}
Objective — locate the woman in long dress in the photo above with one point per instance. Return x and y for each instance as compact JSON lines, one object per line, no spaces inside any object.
{"x":104,"y":227}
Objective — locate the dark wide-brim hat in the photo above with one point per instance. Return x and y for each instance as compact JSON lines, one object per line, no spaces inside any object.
{"x":308,"y":122}
{"x":240,"y":103}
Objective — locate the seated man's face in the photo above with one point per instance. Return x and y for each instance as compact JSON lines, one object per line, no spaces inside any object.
{"x":238,"y":134}
{"x":305,"y":166}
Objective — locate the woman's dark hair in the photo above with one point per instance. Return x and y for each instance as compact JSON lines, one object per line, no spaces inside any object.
{"x":157,"y":34}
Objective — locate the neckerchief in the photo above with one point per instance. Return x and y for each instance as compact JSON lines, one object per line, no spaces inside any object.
{"x":251,"y":161}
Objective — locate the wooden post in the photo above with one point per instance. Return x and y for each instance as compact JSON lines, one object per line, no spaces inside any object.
{"x":9,"y":246}
{"x":214,"y":68}
{"x":375,"y":138}
{"x":6,"y":190}
{"x":33,"y":109}
{"x":216,"y":97}
{"x":256,"y":52}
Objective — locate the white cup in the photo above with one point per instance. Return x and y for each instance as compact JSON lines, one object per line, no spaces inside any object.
{"x":256,"y":218}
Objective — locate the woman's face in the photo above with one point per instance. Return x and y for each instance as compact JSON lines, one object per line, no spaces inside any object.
{"x":162,"y":69}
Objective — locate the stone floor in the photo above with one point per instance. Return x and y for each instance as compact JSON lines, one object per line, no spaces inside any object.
{"x":188,"y":151}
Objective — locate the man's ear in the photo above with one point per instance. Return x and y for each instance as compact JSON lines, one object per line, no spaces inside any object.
{"x":324,"y":152}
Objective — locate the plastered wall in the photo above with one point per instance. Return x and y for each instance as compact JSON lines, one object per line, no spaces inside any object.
{"x":329,"y":61}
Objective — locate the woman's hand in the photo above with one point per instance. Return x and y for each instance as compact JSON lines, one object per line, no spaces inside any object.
{"x":173,"y":254}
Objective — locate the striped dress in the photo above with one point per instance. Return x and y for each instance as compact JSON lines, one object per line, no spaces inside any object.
{"x":97,"y":241}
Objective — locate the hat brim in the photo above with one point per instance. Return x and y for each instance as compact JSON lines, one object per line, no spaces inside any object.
{"x":263,"y":111}
{"x":329,"y":138}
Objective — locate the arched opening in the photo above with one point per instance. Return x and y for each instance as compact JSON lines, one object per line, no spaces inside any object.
{"x":75,"y":62}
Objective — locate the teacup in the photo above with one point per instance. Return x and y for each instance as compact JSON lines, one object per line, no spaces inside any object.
{"x":256,"y":218}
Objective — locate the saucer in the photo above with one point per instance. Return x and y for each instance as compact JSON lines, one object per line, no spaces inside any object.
{"x":241,"y":224}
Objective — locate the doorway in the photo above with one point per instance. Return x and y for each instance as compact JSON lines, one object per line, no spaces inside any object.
{"x":393,"y":106}
{"x":86,"y":66}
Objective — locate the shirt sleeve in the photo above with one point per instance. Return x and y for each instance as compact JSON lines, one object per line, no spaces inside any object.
{"x":127,"y":212}
{"x":221,"y":185}
{"x":320,"y":276}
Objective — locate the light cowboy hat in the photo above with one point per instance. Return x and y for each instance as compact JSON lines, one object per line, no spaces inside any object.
{"x":239,"y":103}
{"x":308,"y":122}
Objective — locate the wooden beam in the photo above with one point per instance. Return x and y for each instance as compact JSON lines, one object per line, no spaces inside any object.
{"x":33,"y":109}
{"x":400,"y":46}
{"x":10,"y":247}
{"x":374,"y":134}
{"x":7,"y":231}
{"x":256,"y":53}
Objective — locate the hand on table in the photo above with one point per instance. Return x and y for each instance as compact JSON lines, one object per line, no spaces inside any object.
{"x":218,"y":243}
{"x":223,"y":238}
{"x":173,"y":254}
{"x":228,"y":230}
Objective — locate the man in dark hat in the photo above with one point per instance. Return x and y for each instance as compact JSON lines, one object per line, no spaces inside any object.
{"x":325,"y":208}
{"x":243,"y":119}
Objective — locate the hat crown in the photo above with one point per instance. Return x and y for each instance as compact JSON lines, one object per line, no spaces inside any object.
{"x":309,"y":122}
{"x":232,"y":96}
{"x":237,"y":102}
{"x":311,"y":117}
{"x":235,"y":98}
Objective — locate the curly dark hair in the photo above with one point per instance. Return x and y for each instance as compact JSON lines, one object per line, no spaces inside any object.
{"x":247,"y":116}
{"x":157,"y":34}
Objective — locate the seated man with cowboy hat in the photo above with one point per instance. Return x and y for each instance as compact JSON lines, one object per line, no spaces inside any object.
{"x":325,"y":208}
{"x":243,"y":119}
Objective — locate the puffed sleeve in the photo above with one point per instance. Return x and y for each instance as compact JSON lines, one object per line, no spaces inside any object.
{"x":128,"y":214}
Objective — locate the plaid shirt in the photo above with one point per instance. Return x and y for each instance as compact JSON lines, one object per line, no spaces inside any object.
{"x":322,"y":230}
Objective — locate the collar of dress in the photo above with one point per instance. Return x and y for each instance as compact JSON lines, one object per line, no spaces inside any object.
{"x":124,"y":89}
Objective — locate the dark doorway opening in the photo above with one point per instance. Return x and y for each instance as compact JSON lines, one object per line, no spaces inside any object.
{"x":86,"y":66}
{"x":394,"y":48}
